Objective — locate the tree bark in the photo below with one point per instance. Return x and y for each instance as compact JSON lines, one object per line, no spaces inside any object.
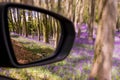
{"x":103,"y":48}
{"x":45,"y":29}
{"x":24,"y":26}
{"x":91,"y":20}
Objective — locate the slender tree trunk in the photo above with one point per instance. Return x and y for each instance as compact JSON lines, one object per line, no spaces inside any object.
{"x":118,"y":24}
{"x":53,"y":28}
{"x":79,"y":18}
{"x":19,"y":21}
{"x":45,"y":30}
{"x":24,"y":26}
{"x":57,"y":34}
{"x":104,"y":44}
{"x":38,"y":25}
{"x":91,"y":20}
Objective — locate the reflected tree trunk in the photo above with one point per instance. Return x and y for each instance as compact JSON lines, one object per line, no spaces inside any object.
{"x":45,"y":30}
{"x":38,"y":26}
{"x":57,"y":34}
{"x":19,"y":28}
{"x":24,"y":26}
{"x":45,"y":27}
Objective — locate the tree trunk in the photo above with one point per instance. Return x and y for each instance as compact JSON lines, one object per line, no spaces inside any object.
{"x":19,"y":21}
{"x":104,"y":44}
{"x":57,"y":35}
{"x":45,"y":30}
{"x":24,"y":27}
{"x":38,"y":26}
{"x":91,"y":20}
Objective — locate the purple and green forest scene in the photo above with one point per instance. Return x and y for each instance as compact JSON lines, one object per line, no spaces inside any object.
{"x":95,"y":54}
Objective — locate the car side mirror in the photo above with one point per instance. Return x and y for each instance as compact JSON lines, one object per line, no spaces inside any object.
{"x":32,"y":36}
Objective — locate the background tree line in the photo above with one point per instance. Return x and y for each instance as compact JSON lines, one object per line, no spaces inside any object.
{"x":82,"y":11}
{"x":31,"y":23}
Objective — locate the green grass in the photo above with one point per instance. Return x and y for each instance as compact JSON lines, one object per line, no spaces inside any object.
{"x":36,"y":73}
{"x":32,"y":44}
{"x":37,"y":48}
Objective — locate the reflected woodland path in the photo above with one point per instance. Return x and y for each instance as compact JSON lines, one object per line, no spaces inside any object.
{"x":28,"y":50}
{"x":24,"y":56}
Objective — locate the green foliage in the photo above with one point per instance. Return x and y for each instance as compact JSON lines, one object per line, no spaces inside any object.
{"x":36,"y":73}
{"x":10,"y":26}
{"x":86,"y":15}
{"x":115,"y":73}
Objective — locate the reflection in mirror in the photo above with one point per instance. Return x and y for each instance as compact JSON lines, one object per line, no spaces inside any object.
{"x":34,"y":35}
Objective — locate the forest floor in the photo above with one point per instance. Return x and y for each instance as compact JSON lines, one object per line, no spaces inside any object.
{"x":27,"y":51}
{"x":76,"y":66}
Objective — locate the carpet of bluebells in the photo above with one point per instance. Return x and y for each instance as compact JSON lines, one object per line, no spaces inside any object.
{"x":76,"y":66}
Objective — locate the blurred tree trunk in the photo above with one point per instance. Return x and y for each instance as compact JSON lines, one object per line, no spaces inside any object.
{"x":69,"y":8}
{"x":17,"y":1}
{"x":52,"y":3}
{"x":38,"y":22}
{"x":79,"y":15}
{"x":118,"y":24}
{"x":80,"y":20}
{"x":103,"y":48}
{"x":76,"y":4}
{"x":91,"y":19}
{"x":29,"y":2}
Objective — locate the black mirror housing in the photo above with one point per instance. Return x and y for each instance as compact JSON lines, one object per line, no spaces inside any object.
{"x":7,"y":57}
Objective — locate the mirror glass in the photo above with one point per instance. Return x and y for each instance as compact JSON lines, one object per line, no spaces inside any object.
{"x":34,"y":35}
